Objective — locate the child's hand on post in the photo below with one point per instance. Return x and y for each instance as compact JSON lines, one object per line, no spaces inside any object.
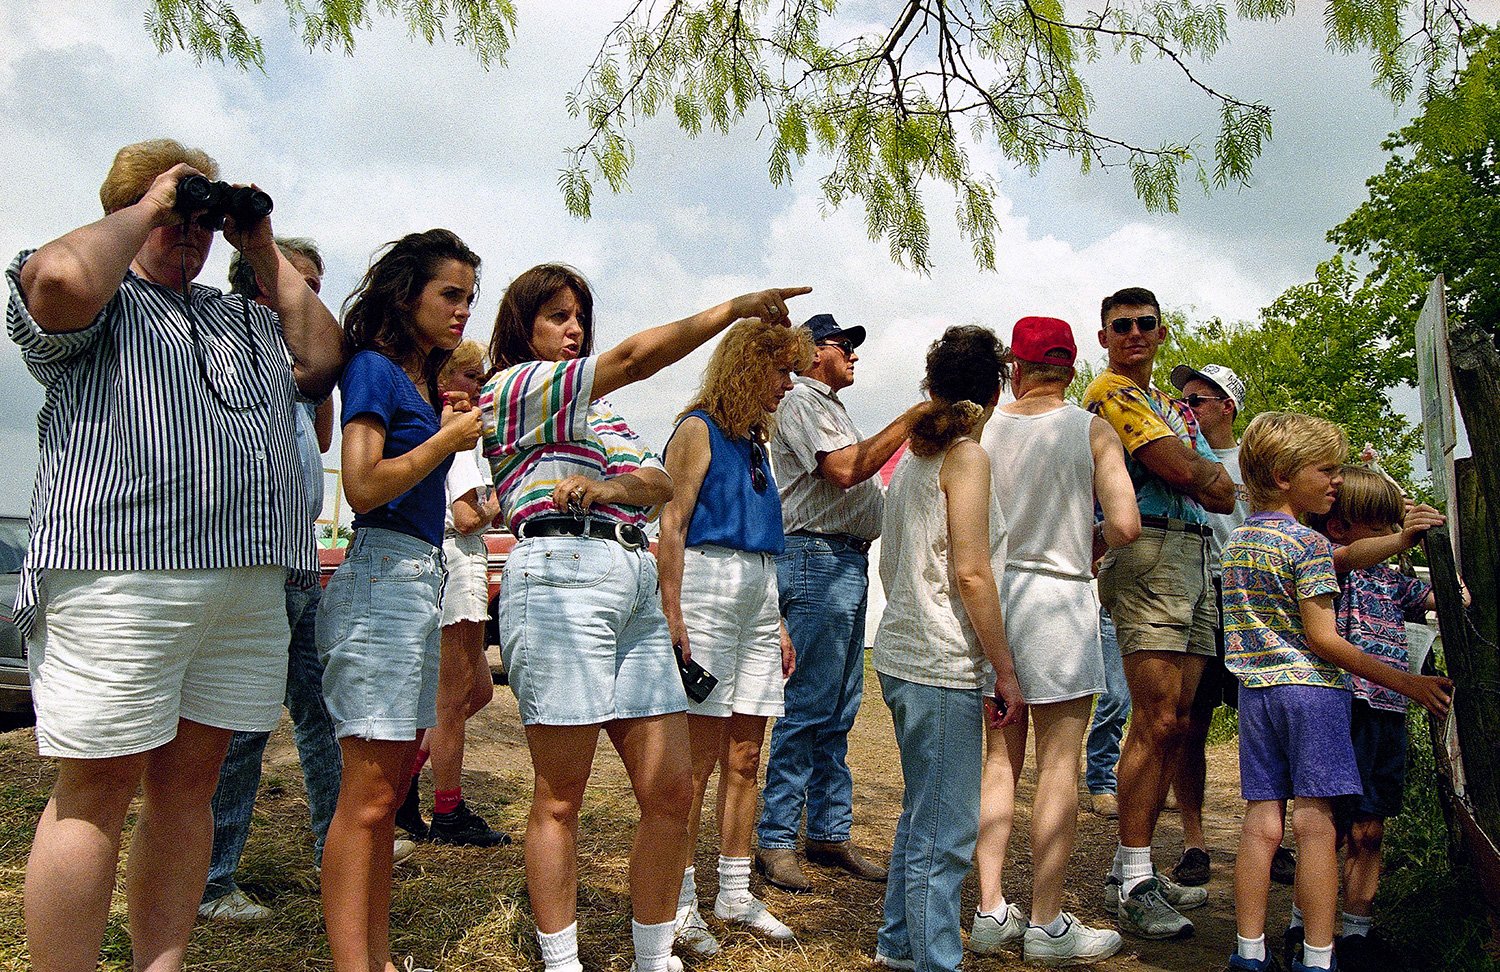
{"x":1432,"y":692}
{"x":1419,"y":519}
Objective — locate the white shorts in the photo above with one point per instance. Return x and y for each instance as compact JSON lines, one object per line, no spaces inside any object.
{"x":466,"y":592}
{"x":117,"y":657}
{"x":1052,"y":624}
{"x":730,"y":606}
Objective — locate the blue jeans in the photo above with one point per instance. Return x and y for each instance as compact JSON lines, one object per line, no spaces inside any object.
{"x":239,"y":777}
{"x":940,"y":732}
{"x":824,"y":593}
{"x":1110,"y":712}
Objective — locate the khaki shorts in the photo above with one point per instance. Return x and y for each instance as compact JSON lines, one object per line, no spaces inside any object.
{"x":1158,"y":591}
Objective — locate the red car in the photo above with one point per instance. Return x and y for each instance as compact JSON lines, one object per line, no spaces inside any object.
{"x":499,"y":541}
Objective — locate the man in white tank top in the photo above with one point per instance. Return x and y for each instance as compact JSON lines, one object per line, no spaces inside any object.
{"x":1049,"y":461}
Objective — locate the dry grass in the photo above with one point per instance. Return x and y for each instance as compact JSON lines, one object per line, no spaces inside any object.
{"x":465,"y":909}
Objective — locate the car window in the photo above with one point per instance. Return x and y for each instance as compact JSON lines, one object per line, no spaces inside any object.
{"x":13,"y":535}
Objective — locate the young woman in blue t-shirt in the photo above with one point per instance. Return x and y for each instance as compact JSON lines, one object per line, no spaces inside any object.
{"x":379,"y":625}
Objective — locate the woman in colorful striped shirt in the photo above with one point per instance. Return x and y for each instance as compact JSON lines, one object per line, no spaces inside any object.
{"x":581,"y":629}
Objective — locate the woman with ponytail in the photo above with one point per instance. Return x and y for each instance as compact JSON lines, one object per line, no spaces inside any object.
{"x":942,"y":556}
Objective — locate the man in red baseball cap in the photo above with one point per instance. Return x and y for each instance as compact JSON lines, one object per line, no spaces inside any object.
{"x":1049,"y":461}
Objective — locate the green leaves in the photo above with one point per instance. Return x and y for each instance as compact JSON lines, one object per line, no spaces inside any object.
{"x":212,"y":30}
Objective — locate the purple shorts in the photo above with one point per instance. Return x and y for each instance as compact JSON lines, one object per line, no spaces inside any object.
{"x":1294,"y":742}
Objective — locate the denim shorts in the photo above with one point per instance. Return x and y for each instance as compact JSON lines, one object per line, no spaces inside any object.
{"x":1379,"y":740}
{"x":378,"y":635}
{"x":582,"y":633}
{"x":1294,"y":742}
{"x":466,"y":594}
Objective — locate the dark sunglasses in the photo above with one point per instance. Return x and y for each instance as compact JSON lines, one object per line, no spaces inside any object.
{"x":1146,"y":322}
{"x":758,"y":480}
{"x":1195,"y":400}
{"x":843,"y":346}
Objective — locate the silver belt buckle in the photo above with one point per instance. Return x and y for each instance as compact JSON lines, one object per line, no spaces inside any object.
{"x":628,"y":544}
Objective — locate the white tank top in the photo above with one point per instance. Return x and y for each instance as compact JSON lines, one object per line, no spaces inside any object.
{"x":924,"y":634}
{"x":1042,"y":471}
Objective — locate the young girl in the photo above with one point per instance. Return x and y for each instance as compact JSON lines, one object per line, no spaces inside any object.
{"x":720,"y":535}
{"x":378,"y":627}
{"x":942,"y":556}
{"x":464,"y":682}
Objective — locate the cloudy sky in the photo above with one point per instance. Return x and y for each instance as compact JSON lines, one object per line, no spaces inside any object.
{"x":402,"y":137}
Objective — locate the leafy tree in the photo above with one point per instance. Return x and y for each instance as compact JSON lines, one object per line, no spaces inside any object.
{"x":1332,"y":347}
{"x":891,"y":107}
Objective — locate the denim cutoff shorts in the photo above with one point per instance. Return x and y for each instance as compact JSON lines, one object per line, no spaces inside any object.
{"x":582,"y":633}
{"x":378,"y":636}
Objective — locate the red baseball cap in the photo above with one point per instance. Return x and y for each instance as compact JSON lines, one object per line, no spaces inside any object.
{"x":1044,"y":340}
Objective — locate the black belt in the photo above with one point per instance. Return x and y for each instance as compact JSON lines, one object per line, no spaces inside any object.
{"x":845,"y":539}
{"x":628,"y":535}
{"x":1182,"y":526}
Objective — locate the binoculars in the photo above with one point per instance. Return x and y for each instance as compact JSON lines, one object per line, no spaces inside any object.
{"x":216,"y":200}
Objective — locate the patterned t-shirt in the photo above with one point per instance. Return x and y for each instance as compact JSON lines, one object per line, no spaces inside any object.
{"x":542,"y":425}
{"x":1140,"y":416}
{"x":1271,"y":562}
{"x":1370,"y":608}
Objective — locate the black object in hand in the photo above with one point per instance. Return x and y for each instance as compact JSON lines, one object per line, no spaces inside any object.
{"x":697,"y":681}
{"x":247,"y":204}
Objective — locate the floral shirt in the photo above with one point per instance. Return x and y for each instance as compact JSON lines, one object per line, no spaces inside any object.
{"x":1371,"y":606}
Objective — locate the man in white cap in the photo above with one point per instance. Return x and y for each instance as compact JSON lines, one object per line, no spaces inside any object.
{"x":1216,"y":395}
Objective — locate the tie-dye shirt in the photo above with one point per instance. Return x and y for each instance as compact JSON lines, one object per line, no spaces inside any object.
{"x":542,"y":425}
{"x":1370,"y":608}
{"x":1272,"y":562}
{"x":1141,"y":416}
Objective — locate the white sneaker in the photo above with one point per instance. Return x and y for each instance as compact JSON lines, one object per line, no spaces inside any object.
{"x":1180,"y":896}
{"x":411,"y":963}
{"x":234,"y":906}
{"x":692,"y":932}
{"x":988,"y":934}
{"x":674,"y":964}
{"x":1077,"y":945}
{"x":751,"y":912}
{"x":891,"y":962}
{"x":402,"y":850}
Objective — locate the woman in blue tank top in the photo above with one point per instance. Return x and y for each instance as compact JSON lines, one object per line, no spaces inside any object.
{"x":720,"y":534}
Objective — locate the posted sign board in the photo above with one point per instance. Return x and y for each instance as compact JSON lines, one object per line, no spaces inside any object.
{"x":1435,"y":384}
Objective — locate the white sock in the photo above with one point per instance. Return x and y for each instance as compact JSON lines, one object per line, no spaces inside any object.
{"x":653,"y":945}
{"x":1317,"y":958}
{"x":1055,"y":927}
{"x":688,"y":896}
{"x":1135,"y":867}
{"x":734,"y":878}
{"x":997,"y":912}
{"x":1296,"y":921}
{"x":1253,"y":949}
{"x":1357,"y":924}
{"x":560,"y":949}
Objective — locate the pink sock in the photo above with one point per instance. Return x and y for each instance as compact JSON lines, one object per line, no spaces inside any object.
{"x":447,"y":801}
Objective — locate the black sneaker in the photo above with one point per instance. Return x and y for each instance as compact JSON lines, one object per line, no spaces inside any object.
{"x":1193,"y":869}
{"x":1284,"y":866}
{"x":465,"y":828}
{"x":1361,"y":953}
{"x":409,"y":814}
{"x":1291,"y":945}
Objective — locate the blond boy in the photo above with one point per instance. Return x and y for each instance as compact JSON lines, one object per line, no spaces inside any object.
{"x":1282,"y":643}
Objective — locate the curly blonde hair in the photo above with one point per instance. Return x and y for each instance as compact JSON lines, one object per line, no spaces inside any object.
{"x":137,"y":166}
{"x":746,"y":358}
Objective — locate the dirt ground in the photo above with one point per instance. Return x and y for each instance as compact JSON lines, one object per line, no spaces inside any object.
{"x":465,"y":909}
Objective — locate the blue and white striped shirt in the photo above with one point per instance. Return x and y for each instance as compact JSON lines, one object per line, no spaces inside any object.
{"x":144,"y":464}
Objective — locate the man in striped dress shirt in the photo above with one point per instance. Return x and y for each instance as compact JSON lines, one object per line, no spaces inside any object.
{"x":167,"y":511}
